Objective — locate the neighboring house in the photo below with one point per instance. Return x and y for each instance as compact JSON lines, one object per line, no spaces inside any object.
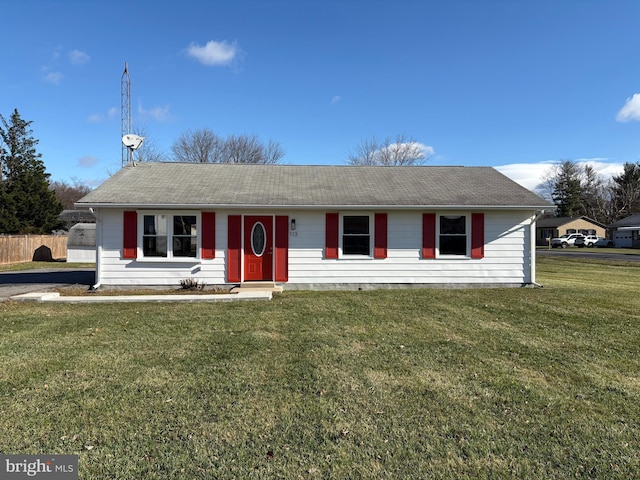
{"x":554,"y":227}
{"x":72,"y":217}
{"x":626,"y":232}
{"x":313,"y":226}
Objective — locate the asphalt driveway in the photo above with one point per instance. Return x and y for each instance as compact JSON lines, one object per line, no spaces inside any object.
{"x":16,"y":283}
{"x":594,"y":254}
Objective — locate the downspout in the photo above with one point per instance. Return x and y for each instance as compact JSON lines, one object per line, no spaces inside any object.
{"x":532,"y":249}
{"x":98,"y":277}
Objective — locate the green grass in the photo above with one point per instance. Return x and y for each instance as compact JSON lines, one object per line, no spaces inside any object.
{"x":478,"y":383}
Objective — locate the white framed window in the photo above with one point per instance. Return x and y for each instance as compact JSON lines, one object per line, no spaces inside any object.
{"x":169,"y":235}
{"x":453,"y":235}
{"x":356,"y":235}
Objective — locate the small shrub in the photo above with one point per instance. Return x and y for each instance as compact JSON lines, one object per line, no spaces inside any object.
{"x":191,"y":284}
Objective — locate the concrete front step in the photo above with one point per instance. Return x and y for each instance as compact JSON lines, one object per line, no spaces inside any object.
{"x":257,"y":287}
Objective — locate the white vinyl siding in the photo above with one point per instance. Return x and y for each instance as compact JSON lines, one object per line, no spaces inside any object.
{"x":114,"y":270}
{"x":506,"y":255}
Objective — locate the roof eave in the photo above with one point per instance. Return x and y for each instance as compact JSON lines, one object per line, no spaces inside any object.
{"x":207,"y":206}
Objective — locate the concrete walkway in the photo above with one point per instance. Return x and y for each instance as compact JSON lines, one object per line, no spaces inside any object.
{"x":36,"y":286}
{"x":55,"y":297}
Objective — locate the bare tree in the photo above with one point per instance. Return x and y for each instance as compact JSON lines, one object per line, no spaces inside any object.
{"x":198,"y":146}
{"x":249,"y":149}
{"x":401,"y":151}
{"x":69,"y":193}
{"x":148,"y":151}
{"x":204,"y":146}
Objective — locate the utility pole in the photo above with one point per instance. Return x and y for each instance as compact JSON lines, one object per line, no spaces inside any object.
{"x":125,"y":101}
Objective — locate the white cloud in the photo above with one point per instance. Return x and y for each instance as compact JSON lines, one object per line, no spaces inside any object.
{"x":531,"y":175}
{"x":214,"y":53}
{"x":428,"y":150}
{"x":335,"y":99}
{"x":160,"y":114}
{"x":76,"y":57}
{"x":54,"y":77}
{"x":413,"y":148}
{"x":631,"y":109}
{"x":405,"y":150}
{"x":87,"y":161}
{"x":99,"y":117}
{"x":93,"y":182}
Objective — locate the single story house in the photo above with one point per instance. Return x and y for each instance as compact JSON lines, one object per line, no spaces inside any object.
{"x":626,"y":232}
{"x":313,"y":226}
{"x":554,"y":227}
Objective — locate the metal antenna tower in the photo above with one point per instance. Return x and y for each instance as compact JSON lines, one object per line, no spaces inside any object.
{"x":125,"y":101}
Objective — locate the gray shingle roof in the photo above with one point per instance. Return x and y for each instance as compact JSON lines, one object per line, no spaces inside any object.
{"x":630,"y":221}
{"x":234,"y":185}
{"x":559,"y":221}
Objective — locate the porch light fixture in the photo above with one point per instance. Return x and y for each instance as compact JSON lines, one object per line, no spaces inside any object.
{"x":293,"y":224}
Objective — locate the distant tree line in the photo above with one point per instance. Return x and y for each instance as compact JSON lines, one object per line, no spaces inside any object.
{"x":203,"y":145}
{"x":579,"y":190}
{"x":31,"y":203}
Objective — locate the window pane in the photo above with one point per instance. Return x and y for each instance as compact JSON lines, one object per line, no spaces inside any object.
{"x":184,"y":246}
{"x":185,"y":240}
{"x":154,"y":240}
{"x":149,"y":224}
{"x":154,"y":246}
{"x":452,"y":225}
{"x":356,"y":245}
{"x":155,"y":225}
{"x":453,"y":245}
{"x":184,"y":225}
{"x":258,"y":239}
{"x":356,"y":225}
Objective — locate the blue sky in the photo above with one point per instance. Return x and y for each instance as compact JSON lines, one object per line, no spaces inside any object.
{"x":512,"y":84}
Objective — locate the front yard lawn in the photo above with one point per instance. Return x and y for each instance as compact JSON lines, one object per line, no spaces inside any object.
{"x":431,"y":383}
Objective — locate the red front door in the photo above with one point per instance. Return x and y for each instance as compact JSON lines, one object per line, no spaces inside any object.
{"x":258,"y":248}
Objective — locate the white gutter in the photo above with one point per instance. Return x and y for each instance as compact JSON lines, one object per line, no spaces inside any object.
{"x":532,"y":248}
{"x":292,"y":206}
{"x":98,"y":277}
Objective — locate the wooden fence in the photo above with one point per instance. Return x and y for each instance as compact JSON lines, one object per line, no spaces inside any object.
{"x":27,"y":248}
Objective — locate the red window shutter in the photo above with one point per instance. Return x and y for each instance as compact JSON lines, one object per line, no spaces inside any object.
{"x":477,"y":235}
{"x":208,"y":241}
{"x":234,"y":242}
{"x":282,"y":248}
{"x":130,"y":235}
{"x":428,"y":235}
{"x":380,"y":236}
{"x":332,"y":240}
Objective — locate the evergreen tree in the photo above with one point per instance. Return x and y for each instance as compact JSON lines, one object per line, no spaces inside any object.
{"x":567,"y":192}
{"x":27,"y":205}
{"x":626,"y":190}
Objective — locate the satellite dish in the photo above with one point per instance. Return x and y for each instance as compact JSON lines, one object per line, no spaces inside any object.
{"x":132,"y":141}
